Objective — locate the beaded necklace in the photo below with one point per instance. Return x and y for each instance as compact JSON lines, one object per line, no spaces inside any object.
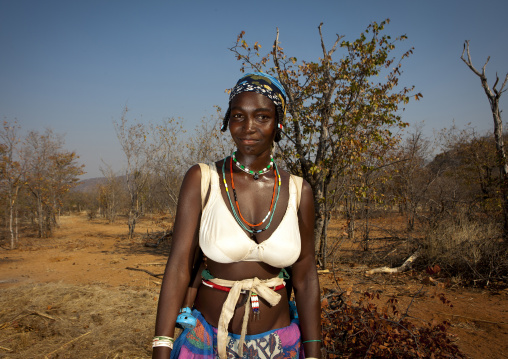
{"x":236,"y":198}
{"x":251,"y":172}
{"x":238,"y":219}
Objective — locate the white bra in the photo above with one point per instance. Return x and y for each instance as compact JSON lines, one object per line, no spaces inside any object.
{"x":222,"y":240}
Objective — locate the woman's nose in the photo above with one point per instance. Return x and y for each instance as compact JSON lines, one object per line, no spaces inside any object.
{"x":249,"y":123}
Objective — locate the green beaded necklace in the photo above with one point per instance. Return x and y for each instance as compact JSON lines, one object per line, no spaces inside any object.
{"x":251,"y":172}
{"x":238,"y":219}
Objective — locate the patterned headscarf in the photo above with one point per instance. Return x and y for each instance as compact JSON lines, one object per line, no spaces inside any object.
{"x":266,"y":85}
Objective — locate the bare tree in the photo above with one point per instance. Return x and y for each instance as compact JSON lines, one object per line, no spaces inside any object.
{"x":11,"y":172}
{"x":493,"y":96}
{"x":167,"y":164}
{"x":110,"y":192}
{"x":137,"y":148}
{"x":207,"y":142}
{"x":51,"y":172}
{"x":412,"y":179}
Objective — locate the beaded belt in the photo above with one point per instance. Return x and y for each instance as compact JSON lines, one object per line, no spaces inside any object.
{"x":227,"y":289}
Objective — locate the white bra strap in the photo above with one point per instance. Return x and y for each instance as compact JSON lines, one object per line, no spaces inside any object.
{"x":205,"y":182}
{"x":298,"y":183}
{"x":214,"y":176}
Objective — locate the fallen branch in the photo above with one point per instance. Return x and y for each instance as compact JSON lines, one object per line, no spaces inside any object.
{"x":73,"y":340}
{"x":152,"y":264}
{"x":405,"y":266}
{"x":156,"y":238}
{"x":144,"y":270}
{"x":42,"y":315}
{"x":409,"y":305}
{"x":19,"y":316}
{"x":6,"y":349}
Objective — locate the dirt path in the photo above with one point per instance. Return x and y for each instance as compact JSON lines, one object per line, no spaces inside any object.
{"x":84,"y":252}
{"x":96,"y":253}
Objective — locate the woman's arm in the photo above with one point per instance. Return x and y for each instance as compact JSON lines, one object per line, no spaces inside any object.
{"x":305,"y":278}
{"x":192,"y":290}
{"x":179,"y":266}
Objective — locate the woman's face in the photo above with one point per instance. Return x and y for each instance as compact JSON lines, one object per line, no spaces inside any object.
{"x":252,"y":122}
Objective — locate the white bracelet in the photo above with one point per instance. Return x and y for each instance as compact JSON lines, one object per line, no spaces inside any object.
{"x":162,"y":343}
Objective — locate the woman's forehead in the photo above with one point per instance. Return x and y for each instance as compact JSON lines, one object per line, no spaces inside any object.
{"x":252,"y":99}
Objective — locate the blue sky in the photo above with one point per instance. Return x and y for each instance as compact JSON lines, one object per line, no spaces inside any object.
{"x":73,"y":65}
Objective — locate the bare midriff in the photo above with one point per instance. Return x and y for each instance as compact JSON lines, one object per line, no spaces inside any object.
{"x":209,"y":301}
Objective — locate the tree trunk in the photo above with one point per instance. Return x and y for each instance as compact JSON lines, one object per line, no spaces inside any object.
{"x":350,"y":217}
{"x":324,"y":238}
{"x":366,"y":235}
{"x":319,"y":209}
{"x":501,"y":156}
{"x":40,"y":216}
{"x":16,"y":226}
{"x":132,"y":223}
{"x":11,"y":220}
{"x":493,"y":96}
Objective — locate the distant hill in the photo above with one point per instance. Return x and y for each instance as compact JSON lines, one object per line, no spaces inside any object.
{"x":89,"y":185}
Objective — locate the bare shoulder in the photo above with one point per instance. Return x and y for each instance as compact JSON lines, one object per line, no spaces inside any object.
{"x":306,"y":192}
{"x":193,"y":173}
{"x":191,"y":184}
{"x":306,"y":189}
{"x":307,"y":202}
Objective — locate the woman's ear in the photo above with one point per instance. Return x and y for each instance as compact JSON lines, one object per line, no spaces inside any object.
{"x":278,"y":135}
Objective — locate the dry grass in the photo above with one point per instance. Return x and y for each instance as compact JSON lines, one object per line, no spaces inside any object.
{"x":58,"y":320}
{"x":467,"y":249}
{"x":72,"y":296}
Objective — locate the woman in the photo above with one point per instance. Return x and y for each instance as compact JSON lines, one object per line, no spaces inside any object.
{"x":257,"y":220}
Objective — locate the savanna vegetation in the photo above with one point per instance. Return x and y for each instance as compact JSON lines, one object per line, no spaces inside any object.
{"x":394,"y":197}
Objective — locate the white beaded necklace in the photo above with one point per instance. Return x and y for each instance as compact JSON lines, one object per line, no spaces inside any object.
{"x":251,"y":172}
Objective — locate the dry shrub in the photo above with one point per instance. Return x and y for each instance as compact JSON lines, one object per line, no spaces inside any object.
{"x":467,"y":248}
{"x":66,"y":321}
{"x":367,"y":330}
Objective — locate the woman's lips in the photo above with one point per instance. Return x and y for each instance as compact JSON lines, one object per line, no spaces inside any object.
{"x":248,"y":141}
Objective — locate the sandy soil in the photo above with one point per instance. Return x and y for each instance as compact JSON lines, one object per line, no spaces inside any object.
{"x":96,"y":253}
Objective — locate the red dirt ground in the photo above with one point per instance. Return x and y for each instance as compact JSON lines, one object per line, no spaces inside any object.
{"x":94,"y":252}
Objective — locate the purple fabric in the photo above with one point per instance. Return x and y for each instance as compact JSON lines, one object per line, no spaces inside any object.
{"x":201,"y":342}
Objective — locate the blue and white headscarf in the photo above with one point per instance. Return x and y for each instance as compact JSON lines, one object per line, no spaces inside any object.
{"x":263,"y":84}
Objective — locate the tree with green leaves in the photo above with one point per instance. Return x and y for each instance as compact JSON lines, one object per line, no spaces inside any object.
{"x":341,"y":110}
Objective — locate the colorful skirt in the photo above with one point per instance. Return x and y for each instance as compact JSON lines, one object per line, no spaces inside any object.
{"x":200,"y":342}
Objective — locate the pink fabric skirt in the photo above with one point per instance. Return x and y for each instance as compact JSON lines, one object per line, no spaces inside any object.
{"x":201,"y":342}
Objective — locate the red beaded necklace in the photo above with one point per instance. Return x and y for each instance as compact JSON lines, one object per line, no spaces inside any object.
{"x":236,"y":198}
